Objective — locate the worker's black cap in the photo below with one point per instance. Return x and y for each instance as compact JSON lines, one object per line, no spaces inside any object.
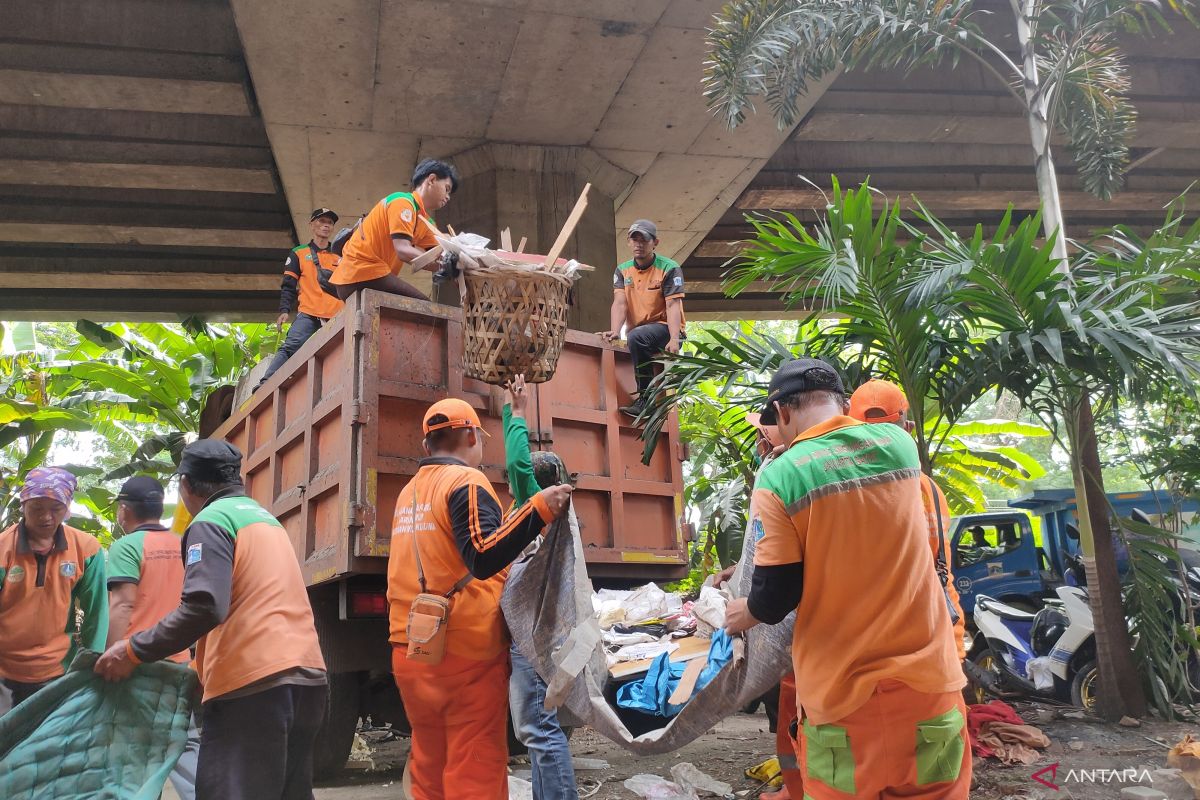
{"x":323,"y":212}
{"x":141,"y":489}
{"x":800,"y":375}
{"x":211,"y":461}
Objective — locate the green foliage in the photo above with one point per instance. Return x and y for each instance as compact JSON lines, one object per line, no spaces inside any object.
{"x":775,"y":48}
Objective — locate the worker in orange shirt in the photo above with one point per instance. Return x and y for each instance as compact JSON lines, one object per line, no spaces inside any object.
{"x":451,"y":545}
{"x":145,"y":581}
{"x":395,"y":232}
{"x":883,"y":401}
{"x":842,"y":540}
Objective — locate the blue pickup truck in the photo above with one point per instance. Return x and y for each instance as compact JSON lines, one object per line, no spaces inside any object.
{"x":996,"y":553}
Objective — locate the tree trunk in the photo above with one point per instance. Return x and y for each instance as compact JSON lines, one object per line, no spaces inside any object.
{"x":1039,"y":134}
{"x":1120,"y":688}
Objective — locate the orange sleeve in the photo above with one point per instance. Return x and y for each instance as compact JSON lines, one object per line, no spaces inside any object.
{"x":778,"y":540}
{"x":403,"y":219}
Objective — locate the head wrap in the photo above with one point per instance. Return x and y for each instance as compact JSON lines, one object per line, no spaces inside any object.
{"x":52,"y":482}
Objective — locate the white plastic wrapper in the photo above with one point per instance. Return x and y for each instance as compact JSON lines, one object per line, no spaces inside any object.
{"x":647,"y":602}
{"x":710,"y":609}
{"x":1039,"y":671}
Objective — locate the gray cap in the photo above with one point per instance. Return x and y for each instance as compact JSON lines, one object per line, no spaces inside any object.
{"x":644,"y":227}
{"x":212,"y":461}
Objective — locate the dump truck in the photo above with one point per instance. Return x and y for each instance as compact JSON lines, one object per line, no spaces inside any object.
{"x":332,"y":437}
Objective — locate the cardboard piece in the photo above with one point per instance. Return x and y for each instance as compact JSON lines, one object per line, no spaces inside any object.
{"x":687,"y":684}
{"x":689,"y":649}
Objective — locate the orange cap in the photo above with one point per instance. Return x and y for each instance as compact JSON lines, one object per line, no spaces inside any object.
{"x":458,"y":414}
{"x":769,"y":432}
{"x":878,"y":401}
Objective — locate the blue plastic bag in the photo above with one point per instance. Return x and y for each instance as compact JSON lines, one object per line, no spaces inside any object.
{"x":650,"y":694}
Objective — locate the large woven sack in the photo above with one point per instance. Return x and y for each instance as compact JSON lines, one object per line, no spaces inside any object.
{"x":547,"y":604}
{"x":514,"y":323}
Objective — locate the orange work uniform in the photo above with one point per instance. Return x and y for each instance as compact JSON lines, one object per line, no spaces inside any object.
{"x":369,"y":254}
{"x":301,"y":287}
{"x":149,"y":557}
{"x":839,"y":516}
{"x":39,"y":594}
{"x":459,"y":707}
{"x":937,"y":511}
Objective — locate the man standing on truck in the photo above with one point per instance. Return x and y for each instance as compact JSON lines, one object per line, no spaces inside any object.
{"x":450,"y":546}
{"x":395,"y":232}
{"x":145,"y":581}
{"x":536,"y":726}
{"x":883,"y":401}
{"x":48,"y":571}
{"x":843,"y":541}
{"x":648,"y":301}
{"x":303,"y":271}
{"x":245,"y":606}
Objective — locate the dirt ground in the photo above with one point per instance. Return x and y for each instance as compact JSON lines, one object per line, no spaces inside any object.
{"x":1089,"y":754}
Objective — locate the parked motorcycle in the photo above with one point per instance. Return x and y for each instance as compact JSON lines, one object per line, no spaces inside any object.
{"x":1050,"y":653}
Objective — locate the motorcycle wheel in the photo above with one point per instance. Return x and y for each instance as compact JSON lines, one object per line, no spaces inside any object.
{"x":1083,"y":687}
{"x":985,"y":659}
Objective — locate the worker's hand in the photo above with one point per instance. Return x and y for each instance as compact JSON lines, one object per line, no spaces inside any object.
{"x":738,"y":618}
{"x":672,"y":347}
{"x":558,"y":498}
{"x":723,"y":577}
{"x":610,"y":336}
{"x":281,"y":320}
{"x":515,"y":396}
{"x":115,"y":664}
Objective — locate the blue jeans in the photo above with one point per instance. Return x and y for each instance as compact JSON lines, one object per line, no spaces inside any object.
{"x":538,"y":729}
{"x":301,"y":331}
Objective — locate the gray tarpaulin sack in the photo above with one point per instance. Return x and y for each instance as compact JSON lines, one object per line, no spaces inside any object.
{"x":548,"y":605}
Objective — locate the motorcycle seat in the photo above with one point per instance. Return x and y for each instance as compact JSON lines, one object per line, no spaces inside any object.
{"x":1003,"y":610}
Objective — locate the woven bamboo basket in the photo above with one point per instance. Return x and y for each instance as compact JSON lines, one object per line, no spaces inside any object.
{"x":515,"y":320}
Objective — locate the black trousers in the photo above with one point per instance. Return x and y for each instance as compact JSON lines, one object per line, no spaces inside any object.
{"x":22,"y":691}
{"x":645,"y":342}
{"x":303,"y":327}
{"x":259,"y":747}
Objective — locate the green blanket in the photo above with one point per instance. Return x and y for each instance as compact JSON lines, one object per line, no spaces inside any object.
{"x":82,"y":738}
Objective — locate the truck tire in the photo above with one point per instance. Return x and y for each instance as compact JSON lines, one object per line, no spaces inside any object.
{"x":336,"y":736}
{"x":1083,"y":687}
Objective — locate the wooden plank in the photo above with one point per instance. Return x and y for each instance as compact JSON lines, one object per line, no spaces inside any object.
{"x":137,"y":176}
{"x":568,"y":227}
{"x":137,"y":279}
{"x":687,"y":682}
{"x":689,"y":648}
{"x":506,"y":239}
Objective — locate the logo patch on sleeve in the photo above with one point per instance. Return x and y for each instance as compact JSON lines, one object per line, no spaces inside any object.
{"x":756,"y":530}
{"x":194,"y":553}
{"x":406,"y":215}
{"x":678,"y":281}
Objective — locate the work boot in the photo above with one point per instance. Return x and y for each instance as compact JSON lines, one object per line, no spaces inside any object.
{"x":782,"y":794}
{"x":634,"y":409}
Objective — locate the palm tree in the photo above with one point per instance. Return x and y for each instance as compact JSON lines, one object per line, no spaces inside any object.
{"x":1069,"y":77}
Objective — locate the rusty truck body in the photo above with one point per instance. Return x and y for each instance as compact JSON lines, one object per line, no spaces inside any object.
{"x":332,"y":437}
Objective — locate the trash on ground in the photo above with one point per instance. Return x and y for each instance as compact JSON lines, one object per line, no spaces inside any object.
{"x":997,"y":731}
{"x":689,"y":776}
{"x":1185,"y":757}
{"x":653,"y":787}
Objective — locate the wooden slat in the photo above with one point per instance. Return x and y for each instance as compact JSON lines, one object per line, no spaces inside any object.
{"x":137,"y":176}
{"x":765,"y":199}
{"x":136,"y":279}
{"x":129,"y":234}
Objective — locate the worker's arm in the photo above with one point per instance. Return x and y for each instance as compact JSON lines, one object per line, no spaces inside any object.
{"x":674,"y":323}
{"x":488,"y":542}
{"x":407,"y":229}
{"x":121,"y":597}
{"x":406,"y":250}
{"x":289,"y":290}
{"x":90,"y":595}
{"x":618,"y":316}
{"x":778,"y":580}
{"x":518,"y":461}
{"x":207,"y":586}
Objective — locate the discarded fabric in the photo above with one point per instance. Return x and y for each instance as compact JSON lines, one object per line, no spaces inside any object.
{"x":997,"y":731}
{"x":650,"y":694}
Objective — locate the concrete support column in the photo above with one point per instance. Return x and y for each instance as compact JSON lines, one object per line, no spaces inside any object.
{"x":531,"y":190}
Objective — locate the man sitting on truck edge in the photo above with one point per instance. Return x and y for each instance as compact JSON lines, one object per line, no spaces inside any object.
{"x":648,"y":301}
{"x":842,"y":539}
{"x":395,"y":232}
{"x":145,"y":581}
{"x":450,"y":545}
{"x":302,"y":289}
{"x":257,"y":656}
{"x":536,"y":726}
{"x":883,"y":401}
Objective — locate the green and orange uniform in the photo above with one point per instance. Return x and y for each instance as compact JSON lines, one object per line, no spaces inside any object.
{"x":369,"y":253}
{"x":149,"y":557}
{"x":301,"y":289}
{"x":40,"y":594}
{"x":459,"y":707}
{"x":647,"y":289}
{"x":842,"y":539}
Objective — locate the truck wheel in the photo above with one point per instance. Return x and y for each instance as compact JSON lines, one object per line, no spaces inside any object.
{"x":985,"y":658}
{"x":336,"y":736}
{"x":1083,"y":688}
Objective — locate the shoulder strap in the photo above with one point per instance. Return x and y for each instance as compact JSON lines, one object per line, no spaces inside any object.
{"x":456,"y":588}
